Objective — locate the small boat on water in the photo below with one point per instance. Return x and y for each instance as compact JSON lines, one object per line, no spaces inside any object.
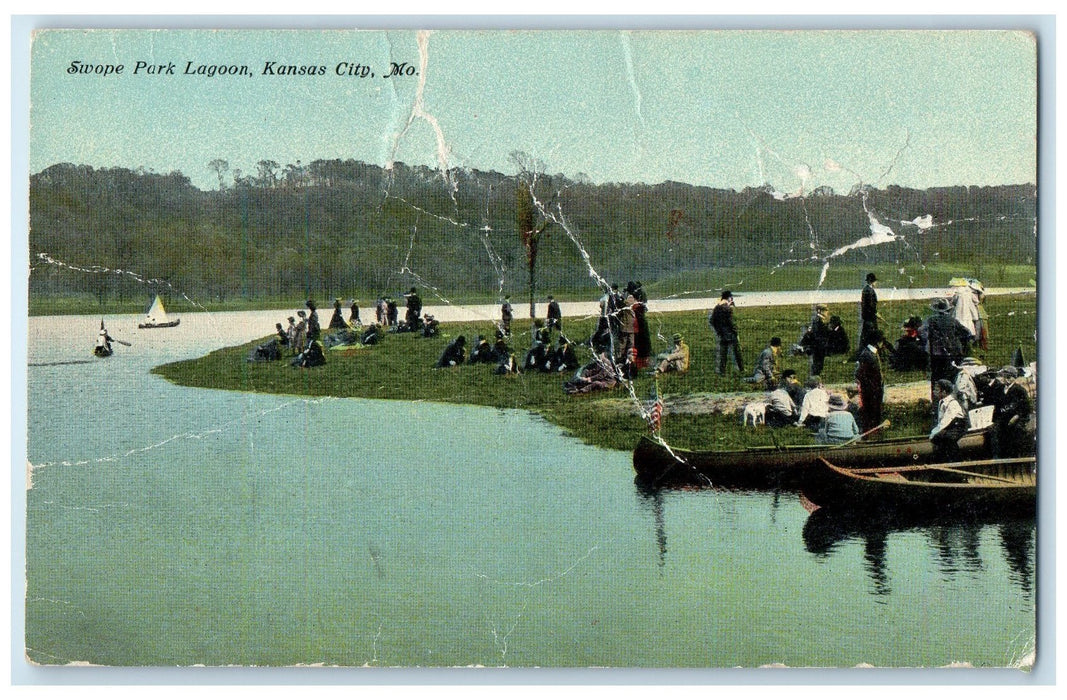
{"x":968,"y":487}
{"x":156,"y":317}
{"x":777,"y":467}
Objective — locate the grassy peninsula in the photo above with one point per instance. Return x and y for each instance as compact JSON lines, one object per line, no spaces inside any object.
{"x":401,"y":367}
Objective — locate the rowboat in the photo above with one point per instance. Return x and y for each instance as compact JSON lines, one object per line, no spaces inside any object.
{"x":967,"y":487}
{"x":658,"y":465}
{"x":156,"y":316}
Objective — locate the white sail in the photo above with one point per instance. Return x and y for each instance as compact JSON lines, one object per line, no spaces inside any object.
{"x":156,"y":315}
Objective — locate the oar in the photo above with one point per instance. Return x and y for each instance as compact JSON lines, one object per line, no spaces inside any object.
{"x":121,"y":342}
{"x":883,"y":424}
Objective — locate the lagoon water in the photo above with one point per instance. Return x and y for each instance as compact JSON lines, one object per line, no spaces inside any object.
{"x":170,"y":526}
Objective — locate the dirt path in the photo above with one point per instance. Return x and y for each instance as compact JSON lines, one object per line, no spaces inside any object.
{"x":733,"y":402}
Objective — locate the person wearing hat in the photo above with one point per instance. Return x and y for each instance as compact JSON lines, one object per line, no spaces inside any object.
{"x":337,"y":321}
{"x":353,"y":315}
{"x":908,"y":352}
{"x":951,"y":423}
{"x":945,"y":341}
{"x":767,"y":365}
{"x":283,"y":337}
{"x":836,"y":337}
{"x":677,"y":359}
{"x":103,"y":342}
{"x":391,"y":312}
{"x":553,"y":318}
{"x":414,"y":309}
{"x":506,"y":315}
{"x":721,"y":320}
{"x":839,"y":425}
{"x":627,"y":330}
{"x":538,"y":353}
{"x":965,"y":386}
{"x":300,"y":333}
{"x":454,"y":354}
{"x":870,"y":383}
{"x":815,"y":406}
{"x":643,"y":334}
{"x":781,"y":407}
{"x":290,"y":332}
{"x":1011,"y":415}
{"x":429,"y":326}
{"x":482,"y":352}
{"x":967,"y":308}
{"x":501,"y":349}
{"x":868,"y":311}
{"x":314,"y":329}
{"x":563,"y":357}
{"x":381,"y":312}
{"x":816,"y":338}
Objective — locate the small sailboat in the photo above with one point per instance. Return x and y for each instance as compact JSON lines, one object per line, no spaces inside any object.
{"x":157,"y":316}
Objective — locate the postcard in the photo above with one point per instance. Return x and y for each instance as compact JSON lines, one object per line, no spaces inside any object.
{"x":533,"y":349}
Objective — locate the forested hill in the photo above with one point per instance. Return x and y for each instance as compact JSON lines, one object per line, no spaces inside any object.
{"x":345,"y":228}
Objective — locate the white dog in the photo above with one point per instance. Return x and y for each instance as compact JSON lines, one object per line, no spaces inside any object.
{"x":755,"y":413}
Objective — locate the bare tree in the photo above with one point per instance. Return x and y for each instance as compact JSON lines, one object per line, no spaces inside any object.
{"x":529,"y":170}
{"x":267,"y":173}
{"x":219,"y":167}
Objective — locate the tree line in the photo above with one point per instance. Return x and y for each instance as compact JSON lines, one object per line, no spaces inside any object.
{"x":347,"y":228}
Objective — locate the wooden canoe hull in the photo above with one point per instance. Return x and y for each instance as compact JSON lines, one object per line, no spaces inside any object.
{"x":969,"y":487}
{"x":776,"y":468}
{"x":168,"y":324}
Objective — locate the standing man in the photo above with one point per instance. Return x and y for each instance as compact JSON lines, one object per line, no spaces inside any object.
{"x":414,"y":309}
{"x":945,"y":339}
{"x":554,"y":318}
{"x":722,"y":322}
{"x":869,"y":379}
{"x":506,"y":315}
{"x":816,"y":340}
{"x":868,"y":311}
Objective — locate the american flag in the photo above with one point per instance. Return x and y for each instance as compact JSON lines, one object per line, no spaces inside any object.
{"x":655,"y":414}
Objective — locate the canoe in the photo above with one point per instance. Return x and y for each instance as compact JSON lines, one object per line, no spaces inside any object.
{"x":966,"y":487}
{"x":776,"y":467}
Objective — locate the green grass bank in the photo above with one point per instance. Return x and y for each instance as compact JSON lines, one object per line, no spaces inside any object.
{"x":402,"y":368}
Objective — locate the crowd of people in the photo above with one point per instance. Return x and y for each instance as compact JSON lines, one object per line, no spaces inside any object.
{"x":939,"y":345}
{"x":620,"y":348}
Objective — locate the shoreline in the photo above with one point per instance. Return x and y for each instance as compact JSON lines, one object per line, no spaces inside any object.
{"x":490,"y":313}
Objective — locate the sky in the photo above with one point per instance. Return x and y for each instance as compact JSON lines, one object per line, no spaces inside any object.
{"x":730,"y":109}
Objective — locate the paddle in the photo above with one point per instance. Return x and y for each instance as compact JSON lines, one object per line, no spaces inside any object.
{"x":121,"y":342}
{"x":883,"y":424}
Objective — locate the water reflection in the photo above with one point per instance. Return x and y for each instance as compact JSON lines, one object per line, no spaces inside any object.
{"x":955,"y":542}
{"x":651,"y":499}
